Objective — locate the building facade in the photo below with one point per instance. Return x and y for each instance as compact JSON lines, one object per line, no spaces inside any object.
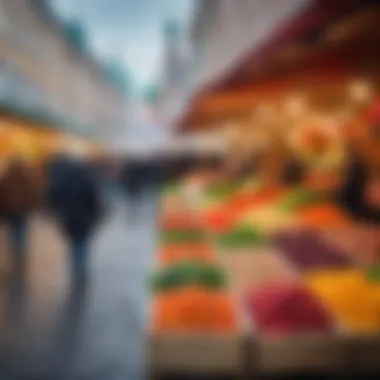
{"x":175,"y":73}
{"x":221,"y":32}
{"x":224,"y":31}
{"x":43,"y":69}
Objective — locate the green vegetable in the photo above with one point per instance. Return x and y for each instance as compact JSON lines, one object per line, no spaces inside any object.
{"x":241,"y":237}
{"x":177,"y":236}
{"x":221,"y":191}
{"x":187,"y":273}
{"x":300,"y":198}
{"x":209,"y":202}
{"x":373,"y":273}
{"x":251,"y":184}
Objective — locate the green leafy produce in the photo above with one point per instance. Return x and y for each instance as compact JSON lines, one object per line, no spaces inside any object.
{"x":210,"y":202}
{"x":186,"y":273}
{"x":221,"y":191}
{"x":373,"y":273}
{"x":301,"y":198}
{"x":251,"y":184}
{"x":177,"y":236}
{"x":241,"y":237}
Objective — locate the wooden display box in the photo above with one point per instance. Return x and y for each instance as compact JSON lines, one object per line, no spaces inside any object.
{"x":197,"y":353}
{"x":314,"y":353}
{"x":363,"y":353}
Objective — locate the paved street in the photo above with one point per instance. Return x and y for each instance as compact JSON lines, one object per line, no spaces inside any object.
{"x":49,"y":330}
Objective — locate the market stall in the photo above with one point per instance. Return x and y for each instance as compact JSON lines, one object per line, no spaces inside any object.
{"x":299,"y":270}
{"x":232,"y":297}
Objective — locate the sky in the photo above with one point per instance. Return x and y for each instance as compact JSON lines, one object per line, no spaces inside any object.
{"x":129,"y":31}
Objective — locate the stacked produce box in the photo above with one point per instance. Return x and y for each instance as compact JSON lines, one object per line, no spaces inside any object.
{"x":271,"y":273}
{"x":195,"y":321}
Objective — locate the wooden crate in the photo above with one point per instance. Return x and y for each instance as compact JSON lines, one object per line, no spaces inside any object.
{"x":197,"y":353}
{"x":363,"y":353}
{"x":300,"y":353}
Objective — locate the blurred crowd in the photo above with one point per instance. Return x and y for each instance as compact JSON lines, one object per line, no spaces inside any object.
{"x":74,"y":193}
{"x":66,"y":188}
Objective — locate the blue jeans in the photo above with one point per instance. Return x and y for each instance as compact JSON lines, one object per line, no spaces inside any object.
{"x":79,"y":257}
{"x":19,"y":231}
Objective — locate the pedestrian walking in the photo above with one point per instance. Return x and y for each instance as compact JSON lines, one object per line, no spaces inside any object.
{"x":20,"y":194}
{"x":74,"y":198}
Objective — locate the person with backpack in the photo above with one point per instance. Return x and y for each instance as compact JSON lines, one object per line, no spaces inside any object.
{"x":74,"y":198}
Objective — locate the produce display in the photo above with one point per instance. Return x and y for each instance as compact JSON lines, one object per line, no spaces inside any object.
{"x":177,"y":236}
{"x":246,"y":205}
{"x":190,"y":287}
{"x":240,"y":237}
{"x":178,"y":220}
{"x":277,"y":275}
{"x":287,"y":261}
{"x":254,"y":268}
{"x":351,"y":298}
{"x":189,"y":273}
{"x":221,"y":191}
{"x":194,"y":310}
{"x":220,"y":219}
{"x":173,"y":253}
{"x":307,"y":250}
{"x":172,"y":202}
{"x":299,"y":198}
{"x":373,"y":273}
{"x":359,"y":243}
{"x":260,"y":196}
{"x":270,"y":219}
{"x":324,"y":215}
{"x":288,"y":309}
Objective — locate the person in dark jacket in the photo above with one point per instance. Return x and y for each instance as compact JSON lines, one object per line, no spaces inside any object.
{"x":353,"y":191}
{"x":20,"y":194}
{"x":363,"y":169}
{"x":360,"y":190}
{"x":74,"y":198}
{"x":130,"y":179}
{"x":294,"y":172}
{"x":132,"y":183}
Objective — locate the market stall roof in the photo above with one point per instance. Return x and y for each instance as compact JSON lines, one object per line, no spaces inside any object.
{"x":210,"y":110}
{"x":307,"y":23}
{"x":342,"y":42}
